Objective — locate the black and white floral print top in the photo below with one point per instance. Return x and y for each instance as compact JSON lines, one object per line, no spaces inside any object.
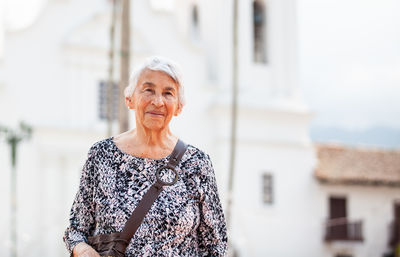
{"x":185,"y":220}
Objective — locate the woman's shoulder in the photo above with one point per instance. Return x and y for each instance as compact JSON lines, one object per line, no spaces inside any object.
{"x":196,"y":156}
{"x":101,"y":146}
{"x":195,"y":152}
{"x":197,"y":163}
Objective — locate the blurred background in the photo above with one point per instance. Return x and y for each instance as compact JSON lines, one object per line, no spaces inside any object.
{"x":296,"y":101}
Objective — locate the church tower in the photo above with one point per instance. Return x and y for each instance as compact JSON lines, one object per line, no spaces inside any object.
{"x":274,"y":155}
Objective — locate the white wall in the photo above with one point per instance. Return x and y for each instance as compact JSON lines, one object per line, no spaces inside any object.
{"x":371,"y":204}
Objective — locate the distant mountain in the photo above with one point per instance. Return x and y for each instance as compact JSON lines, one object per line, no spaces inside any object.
{"x":381,"y":137}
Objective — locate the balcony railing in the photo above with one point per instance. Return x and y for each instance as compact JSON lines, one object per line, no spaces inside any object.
{"x":341,"y":229}
{"x":394,"y":233}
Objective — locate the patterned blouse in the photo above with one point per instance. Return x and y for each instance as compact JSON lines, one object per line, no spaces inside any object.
{"x":185,"y":220}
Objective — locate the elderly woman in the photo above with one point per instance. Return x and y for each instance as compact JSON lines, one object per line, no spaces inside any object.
{"x":186,"y":219}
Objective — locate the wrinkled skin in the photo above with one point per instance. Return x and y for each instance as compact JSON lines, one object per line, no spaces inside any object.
{"x":84,"y":250}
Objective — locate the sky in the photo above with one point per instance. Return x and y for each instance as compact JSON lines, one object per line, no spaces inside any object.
{"x":350,"y":62}
{"x":349,"y":58}
{"x":19,"y":13}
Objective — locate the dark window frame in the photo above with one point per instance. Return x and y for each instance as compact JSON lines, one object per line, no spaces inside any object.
{"x":267,"y":188}
{"x":102,"y":100}
{"x":259,"y":31}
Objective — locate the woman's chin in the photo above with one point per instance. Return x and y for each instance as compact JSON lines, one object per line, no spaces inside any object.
{"x":154,"y":126}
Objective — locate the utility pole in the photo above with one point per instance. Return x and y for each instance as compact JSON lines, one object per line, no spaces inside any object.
{"x":13,"y":138}
{"x":233,"y":119}
{"x":110,"y":83}
{"x":123,"y":114}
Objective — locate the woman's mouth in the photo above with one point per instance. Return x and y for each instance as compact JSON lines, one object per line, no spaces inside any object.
{"x":157,"y":114}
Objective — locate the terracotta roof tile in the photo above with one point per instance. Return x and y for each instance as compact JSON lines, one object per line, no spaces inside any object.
{"x":346,"y":165}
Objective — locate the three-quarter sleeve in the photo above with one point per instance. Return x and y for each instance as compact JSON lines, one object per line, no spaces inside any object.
{"x":82,"y":221}
{"x":212,"y":235}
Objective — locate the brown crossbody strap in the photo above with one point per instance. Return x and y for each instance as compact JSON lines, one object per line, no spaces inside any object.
{"x":151,"y":195}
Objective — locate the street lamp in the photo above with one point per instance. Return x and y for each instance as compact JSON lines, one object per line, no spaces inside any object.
{"x":13,"y":137}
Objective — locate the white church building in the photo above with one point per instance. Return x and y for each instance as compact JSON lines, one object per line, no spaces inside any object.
{"x":51,"y":76}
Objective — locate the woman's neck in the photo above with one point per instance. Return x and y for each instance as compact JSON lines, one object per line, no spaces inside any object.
{"x":154,"y":138}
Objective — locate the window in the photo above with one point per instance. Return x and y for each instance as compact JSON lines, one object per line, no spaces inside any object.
{"x":259,"y":32}
{"x":338,"y":225}
{"x":103,"y":100}
{"x":195,"y":16}
{"x":195,"y":30}
{"x":337,"y":207}
{"x":267,"y":182}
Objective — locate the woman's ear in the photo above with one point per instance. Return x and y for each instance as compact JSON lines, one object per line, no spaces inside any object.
{"x":129,"y":102}
{"x":178,"y":110}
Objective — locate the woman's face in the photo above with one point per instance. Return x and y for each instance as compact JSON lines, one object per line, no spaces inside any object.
{"x":155,"y":100}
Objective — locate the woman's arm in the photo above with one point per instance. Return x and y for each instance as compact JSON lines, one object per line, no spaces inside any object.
{"x":82,"y":221}
{"x":212,"y":229}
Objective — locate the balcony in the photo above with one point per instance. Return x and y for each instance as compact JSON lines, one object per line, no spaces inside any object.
{"x":341,"y":229}
{"x":394,"y":233}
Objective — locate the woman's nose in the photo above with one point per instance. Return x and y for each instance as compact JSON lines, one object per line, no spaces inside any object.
{"x":157,"y":100}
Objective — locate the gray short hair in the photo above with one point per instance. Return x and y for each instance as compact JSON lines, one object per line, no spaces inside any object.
{"x":158,"y":63}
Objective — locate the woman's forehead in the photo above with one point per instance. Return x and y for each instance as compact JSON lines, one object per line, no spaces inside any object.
{"x":154,"y":78}
{"x":166,"y":86}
